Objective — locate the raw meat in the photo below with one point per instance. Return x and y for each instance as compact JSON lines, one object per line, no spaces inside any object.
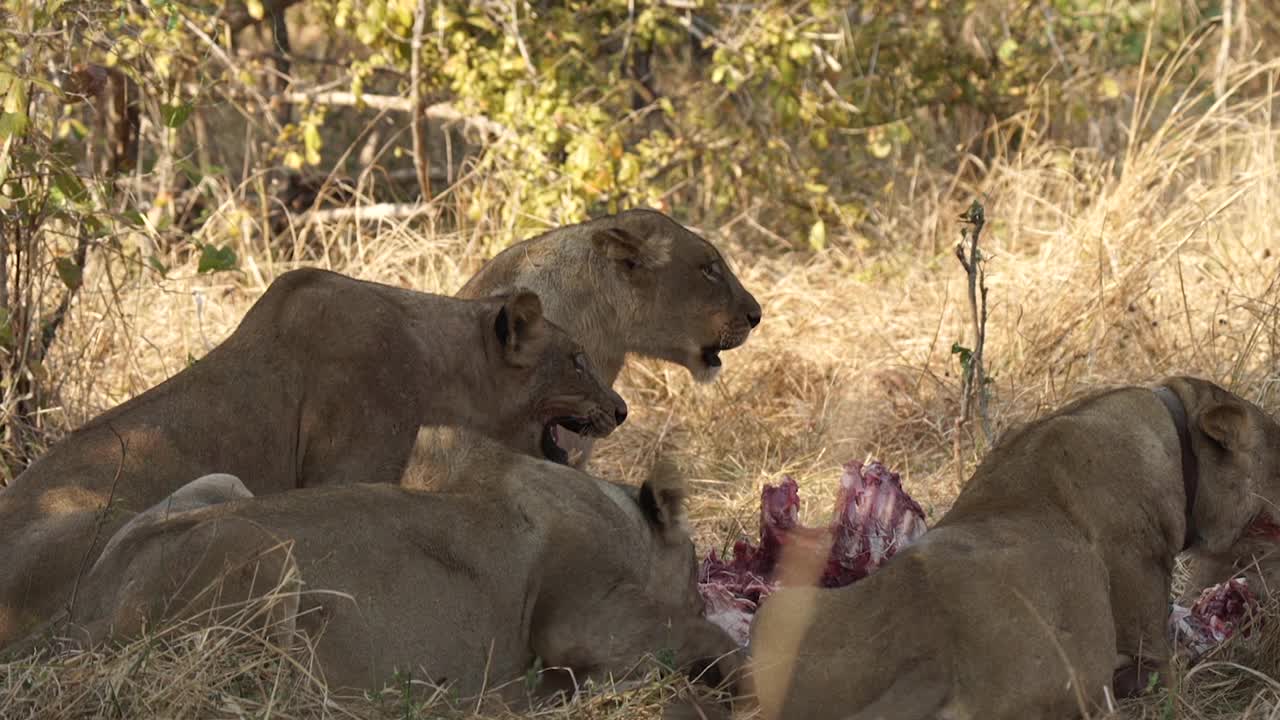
{"x":1215,"y":616}
{"x":874,"y":519}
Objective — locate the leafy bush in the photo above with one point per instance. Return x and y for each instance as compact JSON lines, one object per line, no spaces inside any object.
{"x":149,"y":132}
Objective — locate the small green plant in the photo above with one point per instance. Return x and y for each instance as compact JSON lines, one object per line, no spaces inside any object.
{"x":533,"y":676}
{"x":666,"y":658}
{"x":215,"y":259}
{"x":405,"y":680}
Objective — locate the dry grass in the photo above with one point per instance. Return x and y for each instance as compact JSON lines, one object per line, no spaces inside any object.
{"x":1103,"y":270}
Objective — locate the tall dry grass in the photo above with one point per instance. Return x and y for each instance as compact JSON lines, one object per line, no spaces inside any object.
{"x":1103,"y":268}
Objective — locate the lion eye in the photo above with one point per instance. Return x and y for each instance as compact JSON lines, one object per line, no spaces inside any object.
{"x":711,"y":271}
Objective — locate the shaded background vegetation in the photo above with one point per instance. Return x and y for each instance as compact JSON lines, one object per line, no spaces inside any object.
{"x":161,"y":162}
{"x":144,"y":133}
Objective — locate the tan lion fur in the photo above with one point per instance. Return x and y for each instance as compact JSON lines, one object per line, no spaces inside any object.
{"x":1055,"y":559}
{"x":635,"y":282}
{"x":325,"y":381}
{"x":464,"y":589}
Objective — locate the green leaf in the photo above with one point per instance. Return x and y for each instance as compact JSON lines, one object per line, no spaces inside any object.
{"x":70,"y":187}
{"x":188,"y":168}
{"x":1006,"y":50}
{"x":12,"y":124}
{"x":966,"y":358}
{"x":818,"y":236}
{"x":800,"y":51}
{"x":176,"y":115}
{"x":158,"y":266}
{"x":628,"y":170}
{"x":311,"y":143}
{"x":1108,"y":87}
{"x":15,"y":99}
{"x":71,"y":274}
{"x":878,"y":145}
{"x":533,"y":676}
{"x":95,"y":227}
{"x":6,"y":329}
{"x":214,"y":259}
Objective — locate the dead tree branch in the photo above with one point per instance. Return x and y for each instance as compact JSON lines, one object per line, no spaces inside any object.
{"x":367,"y":213}
{"x":443,"y":112}
{"x":421,"y":162}
{"x":974,"y":380}
{"x":283,"y":62}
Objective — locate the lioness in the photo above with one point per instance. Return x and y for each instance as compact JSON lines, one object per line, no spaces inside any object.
{"x":635,"y":282}
{"x":326,"y":380}
{"x":464,"y":589}
{"x":1052,"y":568}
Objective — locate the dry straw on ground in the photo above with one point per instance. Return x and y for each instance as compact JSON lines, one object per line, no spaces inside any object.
{"x":1102,"y":270}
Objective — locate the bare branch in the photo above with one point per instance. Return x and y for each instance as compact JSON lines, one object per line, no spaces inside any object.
{"x":444,"y":112}
{"x":365,"y":213}
{"x":421,"y":163}
{"x":974,"y":385}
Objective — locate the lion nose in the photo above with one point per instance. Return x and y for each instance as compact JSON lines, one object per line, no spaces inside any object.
{"x":620,"y":414}
{"x":753,"y":311}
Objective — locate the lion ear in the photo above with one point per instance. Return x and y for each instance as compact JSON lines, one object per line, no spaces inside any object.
{"x":621,"y":246}
{"x":662,"y":498}
{"x":1229,"y":425}
{"x":520,"y":329}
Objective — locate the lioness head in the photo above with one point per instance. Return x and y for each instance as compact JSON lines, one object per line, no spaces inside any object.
{"x":686,"y":304}
{"x":1237,"y":447}
{"x":1237,"y":517}
{"x":550,"y":379}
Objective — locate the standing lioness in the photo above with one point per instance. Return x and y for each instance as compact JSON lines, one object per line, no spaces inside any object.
{"x":464,"y":589}
{"x":1052,"y":569}
{"x":636,"y":282}
{"x":326,"y":380}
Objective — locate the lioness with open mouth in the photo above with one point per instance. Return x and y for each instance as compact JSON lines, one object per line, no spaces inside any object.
{"x":636,"y":282}
{"x":460,"y":589}
{"x":326,"y":380}
{"x":1051,"y":571}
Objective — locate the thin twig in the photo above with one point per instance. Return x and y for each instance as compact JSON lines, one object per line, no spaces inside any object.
{"x":233,"y":68}
{"x":421,"y":163}
{"x":97,"y":525}
{"x":49,"y":332}
{"x":974,"y":384}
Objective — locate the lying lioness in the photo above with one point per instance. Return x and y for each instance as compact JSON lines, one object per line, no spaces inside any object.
{"x":636,"y":282}
{"x":464,"y":589}
{"x":326,"y":380}
{"x":1052,"y":569}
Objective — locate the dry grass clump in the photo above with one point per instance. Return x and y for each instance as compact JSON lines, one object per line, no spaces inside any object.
{"x":1103,"y":270}
{"x":236,"y":669}
{"x":1237,"y":680}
